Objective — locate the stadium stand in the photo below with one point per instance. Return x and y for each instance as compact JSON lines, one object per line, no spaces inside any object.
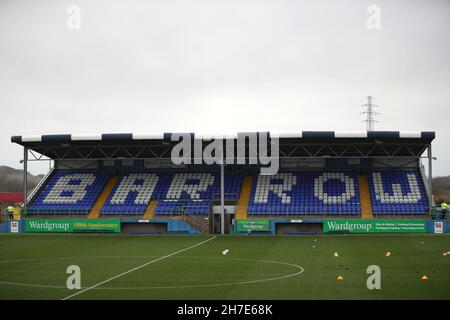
{"x":193,"y":192}
{"x":77,"y":191}
{"x":306,"y":193}
{"x":322,"y":175}
{"x":131,"y":194}
{"x":399,"y":191}
{"x":71,"y":192}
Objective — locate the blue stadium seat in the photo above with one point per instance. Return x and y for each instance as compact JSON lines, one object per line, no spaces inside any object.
{"x":398,"y":192}
{"x":306,"y":193}
{"x":131,"y":194}
{"x":192,"y":192}
{"x":177,"y":192}
{"x":196,"y":207}
{"x":69,"y":192}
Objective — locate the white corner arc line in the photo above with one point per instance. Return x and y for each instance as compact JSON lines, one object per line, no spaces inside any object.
{"x":137,"y":268}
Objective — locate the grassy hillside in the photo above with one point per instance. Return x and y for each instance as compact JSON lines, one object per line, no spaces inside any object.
{"x":441,"y":189}
{"x":11,"y":179}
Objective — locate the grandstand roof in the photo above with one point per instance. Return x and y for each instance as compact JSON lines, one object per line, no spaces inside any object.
{"x":301,"y":144}
{"x":122,"y":137}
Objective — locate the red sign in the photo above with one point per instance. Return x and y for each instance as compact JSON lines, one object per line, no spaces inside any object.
{"x":10,"y":197}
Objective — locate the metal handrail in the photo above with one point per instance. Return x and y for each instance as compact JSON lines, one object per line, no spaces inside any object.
{"x":197,"y":222}
{"x":39,"y":185}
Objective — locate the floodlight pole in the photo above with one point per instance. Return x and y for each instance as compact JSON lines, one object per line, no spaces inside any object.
{"x":222,"y":197}
{"x":25,"y":179}
{"x":430,"y":179}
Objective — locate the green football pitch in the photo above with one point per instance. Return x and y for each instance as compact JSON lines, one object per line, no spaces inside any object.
{"x":33,"y":266}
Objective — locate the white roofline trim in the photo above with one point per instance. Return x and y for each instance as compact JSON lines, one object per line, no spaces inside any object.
{"x":86,"y":137}
{"x":148,"y":136}
{"x":350,"y":134}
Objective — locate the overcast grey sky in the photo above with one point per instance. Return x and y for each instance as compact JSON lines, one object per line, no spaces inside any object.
{"x":212,"y":66}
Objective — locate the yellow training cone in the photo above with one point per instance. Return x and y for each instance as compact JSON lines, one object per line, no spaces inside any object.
{"x":340,"y":278}
{"x":388,"y":254}
{"x":336,"y":254}
{"x":424,"y":277}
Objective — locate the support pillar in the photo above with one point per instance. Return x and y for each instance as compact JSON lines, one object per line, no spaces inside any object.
{"x":222,"y":198}
{"x":25,"y":179}
{"x":430,"y":178}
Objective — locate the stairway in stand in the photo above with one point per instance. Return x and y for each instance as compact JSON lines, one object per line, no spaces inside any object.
{"x":365,"y":199}
{"x":150,"y":211}
{"x":95,"y":211}
{"x":244,"y":198}
{"x":198,"y":222}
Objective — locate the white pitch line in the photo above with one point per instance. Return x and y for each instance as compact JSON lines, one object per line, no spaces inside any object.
{"x":137,"y":268}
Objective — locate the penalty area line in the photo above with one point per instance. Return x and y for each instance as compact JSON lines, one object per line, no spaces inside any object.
{"x":137,"y":268}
